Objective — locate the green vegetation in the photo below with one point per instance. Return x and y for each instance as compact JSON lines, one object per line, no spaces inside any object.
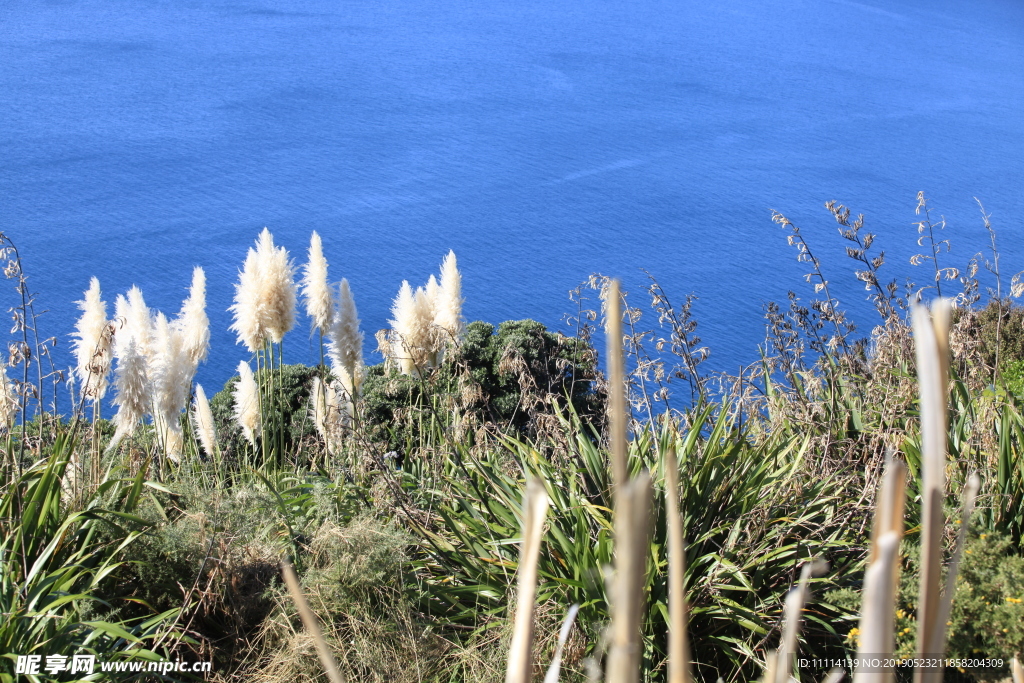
{"x":396,"y":490}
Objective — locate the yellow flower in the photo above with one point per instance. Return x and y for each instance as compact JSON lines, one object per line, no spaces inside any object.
{"x":900,"y":614}
{"x":984,"y":536}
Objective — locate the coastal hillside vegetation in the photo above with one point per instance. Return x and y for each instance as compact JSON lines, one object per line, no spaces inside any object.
{"x":508,"y":501}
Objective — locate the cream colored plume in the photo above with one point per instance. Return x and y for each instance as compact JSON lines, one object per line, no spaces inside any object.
{"x":264,"y":307}
{"x":9,"y":403}
{"x":202,"y":420}
{"x":345,"y":347}
{"x":93,"y":345}
{"x":136,"y":322}
{"x":315,"y":290}
{"x":170,"y":373}
{"x":131,"y":387}
{"x":406,"y":327}
{"x":247,"y":403}
{"x":448,"y":309}
{"x":192,"y":323}
{"x":329,"y":415}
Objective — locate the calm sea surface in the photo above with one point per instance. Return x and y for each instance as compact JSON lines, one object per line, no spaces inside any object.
{"x":542,"y":141}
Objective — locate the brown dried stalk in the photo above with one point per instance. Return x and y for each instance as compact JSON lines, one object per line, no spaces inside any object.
{"x":678,"y":643}
{"x":309,"y":621}
{"x":520,"y":656}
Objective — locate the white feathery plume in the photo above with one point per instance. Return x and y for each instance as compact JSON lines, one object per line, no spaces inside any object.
{"x":264,"y":305}
{"x":433,"y":292}
{"x":318,"y":398}
{"x":247,"y":402}
{"x":426,"y":335}
{"x":315,"y":290}
{"x":248,"y":322}
{"x":202,"y":420}
{"x":170,"y":374}
{"x":345,"y":347}
{"x":404,"y":325}
{"x":93,"y":345}
{"x":448,"y":310}
{"x":192,"y":322}
{"x":130,"y":385}
{"x":137,"y":322}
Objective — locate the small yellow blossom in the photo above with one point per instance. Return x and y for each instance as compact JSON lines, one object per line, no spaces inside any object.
{"x":983,"y":536}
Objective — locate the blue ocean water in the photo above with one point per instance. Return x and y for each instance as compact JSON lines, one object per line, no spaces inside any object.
{"x":541,"y":141}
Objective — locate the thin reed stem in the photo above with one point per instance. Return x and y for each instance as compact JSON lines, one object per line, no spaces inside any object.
{"x":678,"y":640}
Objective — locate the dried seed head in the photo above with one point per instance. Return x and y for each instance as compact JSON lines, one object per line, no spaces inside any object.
{"x":93,"y":345}
{"x":131,"y":386}
{"x":345,"y":347}
{"x":170,"y":374}
{"x":9,"y":403}
{"x":315,"y":290}
{"x":264,"y":305}
{"x":202,"y":420}
{"x":448,"y":310}
{"x":247,"y":403}
{"x":192,"y":323}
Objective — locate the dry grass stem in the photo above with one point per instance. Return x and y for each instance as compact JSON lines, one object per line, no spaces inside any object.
{"x":931,"y":343}
{"x":616,"y":386}
{"x":793,"y":611}
{"x":632,"y":539}
{"x":970,"y":494}
{"x":678,"y":641}
{"x":309,"y":621}
{"x":877,"y":613}
{"x":520,"y":656}
{"x":563,"y":635}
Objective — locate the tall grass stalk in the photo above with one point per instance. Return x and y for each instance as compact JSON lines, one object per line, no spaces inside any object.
{"x":520,"y":657}
{"x":310,"y":622}
{"x":678,"y":640}
{"x":931,"y":344}
{"x":616,"y":387}
{"x":632,"y":546}
{"x":793,"y":613}
{"x":881,"y":580}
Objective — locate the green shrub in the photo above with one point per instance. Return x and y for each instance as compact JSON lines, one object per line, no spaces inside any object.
{"x":290,"y":411}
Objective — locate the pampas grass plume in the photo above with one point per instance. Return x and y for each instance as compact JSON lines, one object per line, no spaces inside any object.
{"x":170,"y":374}
{"x":136,"y":322}
{"x":345,"y":347}
{"x":192,"y":323}
{"x":448,"y":309}
{"x":131,"y":387}
{"x":202,"y":420}
{"x":9,"y":403}
{"x":247,"y":403}
{"x":405,"y":324}
{"x":265,"y":295}
{"x":93,"y":345}
{"x":315,"y":290}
